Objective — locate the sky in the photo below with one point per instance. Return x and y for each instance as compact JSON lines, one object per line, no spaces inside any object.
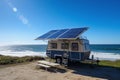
{"x":21,"y":21}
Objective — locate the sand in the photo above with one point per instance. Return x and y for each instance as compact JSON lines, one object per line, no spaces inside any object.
{"x":28,"y":71}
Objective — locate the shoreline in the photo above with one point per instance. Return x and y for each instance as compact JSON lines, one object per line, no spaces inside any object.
{"x":103,"y":52}
{"x":97,"y":55}
{"x":45,"y":56}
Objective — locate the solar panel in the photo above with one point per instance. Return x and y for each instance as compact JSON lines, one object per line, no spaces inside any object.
{"x":44,"y":36}
{"x":63,"y":34}
{"x":73,"y":33}
{"x":58,"y":33}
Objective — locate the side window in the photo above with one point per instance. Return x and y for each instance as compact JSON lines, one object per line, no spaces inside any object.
{"x":53,"y":45}
{"x":86,"y":46}
{"x":75,"y":46}
{"x":65,"y":46}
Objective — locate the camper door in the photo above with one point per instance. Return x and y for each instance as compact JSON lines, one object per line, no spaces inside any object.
{"x":75,"y":54}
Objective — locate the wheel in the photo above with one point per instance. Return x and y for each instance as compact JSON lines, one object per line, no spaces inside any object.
{"x":59,"y":60}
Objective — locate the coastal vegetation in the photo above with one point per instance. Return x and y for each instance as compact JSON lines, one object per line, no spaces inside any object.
{"x":12,"y":60}
{"x":115,"y":64}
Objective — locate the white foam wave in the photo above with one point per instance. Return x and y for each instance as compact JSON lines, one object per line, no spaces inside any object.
{"x":23,"y":53}
{"x":99,"y":55}
{"x":105,"y":56}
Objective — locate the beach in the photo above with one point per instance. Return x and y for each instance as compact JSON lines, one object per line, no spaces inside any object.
{"x":28,"y":71}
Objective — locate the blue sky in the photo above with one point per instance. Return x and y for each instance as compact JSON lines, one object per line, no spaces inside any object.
{"x":21,"y":21}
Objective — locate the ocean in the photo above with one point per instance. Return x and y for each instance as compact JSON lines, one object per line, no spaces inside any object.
{"x":103,"y":52}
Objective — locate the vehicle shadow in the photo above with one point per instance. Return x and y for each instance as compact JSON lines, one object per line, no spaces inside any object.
{"x":105,"y":72}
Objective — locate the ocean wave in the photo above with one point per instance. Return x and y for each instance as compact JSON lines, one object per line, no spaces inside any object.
{"x":22,"y":53}
{"x":110,"y":49}
{"x":97,"y":55}
{"x":105,"y":56}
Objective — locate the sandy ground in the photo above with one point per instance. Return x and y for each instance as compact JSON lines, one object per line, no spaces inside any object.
{"x":28,"y":71}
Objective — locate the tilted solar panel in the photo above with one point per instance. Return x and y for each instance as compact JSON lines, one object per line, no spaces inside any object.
{"x":58,"y":33}
{"x":44,"y":36}
{"x":73,"y":33}
{"x":63,"y":33}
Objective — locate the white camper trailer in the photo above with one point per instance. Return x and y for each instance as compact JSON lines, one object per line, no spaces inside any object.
{"x":67,"y":45}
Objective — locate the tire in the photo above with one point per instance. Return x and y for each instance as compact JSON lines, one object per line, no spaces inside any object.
{"x":59,"y":60}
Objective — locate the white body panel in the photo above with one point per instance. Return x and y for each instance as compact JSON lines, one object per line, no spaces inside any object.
{"x":83,"y":45}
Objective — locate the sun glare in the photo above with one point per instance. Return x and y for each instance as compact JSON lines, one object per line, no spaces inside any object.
{"x":15,"y":9}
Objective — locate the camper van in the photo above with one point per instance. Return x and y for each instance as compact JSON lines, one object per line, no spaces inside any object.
{"x":74,"y":50}
{"x":67,"y":45}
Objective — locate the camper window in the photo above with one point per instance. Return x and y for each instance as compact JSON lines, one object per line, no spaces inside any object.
{"x":75,"y":46}
{"x":64,"y":46}
{"x":54,"y":45}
